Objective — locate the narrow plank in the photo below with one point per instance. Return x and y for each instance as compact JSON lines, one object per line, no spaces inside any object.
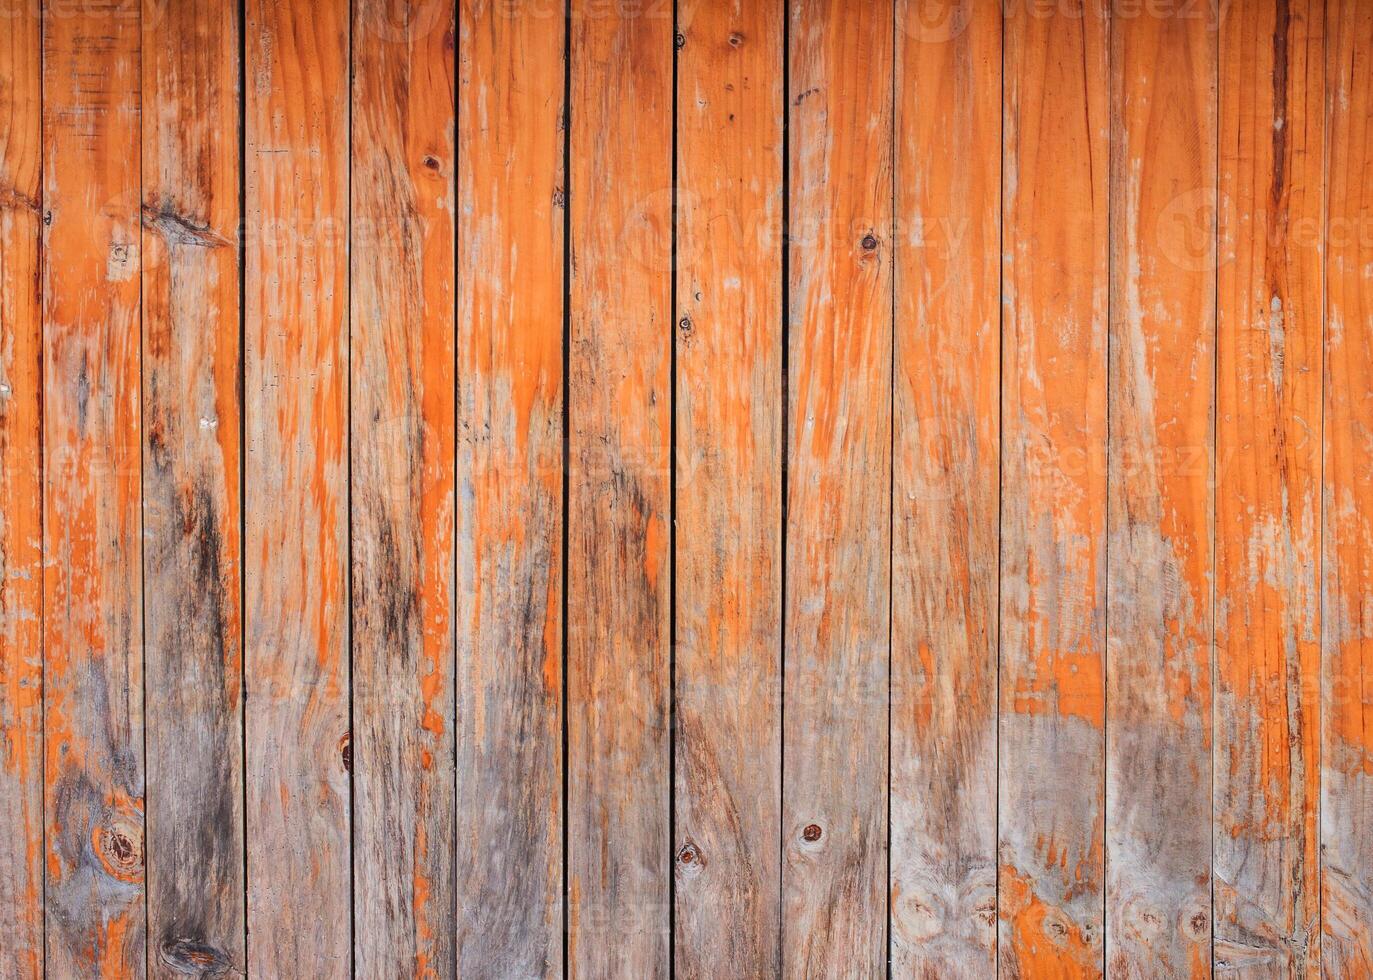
{"x":92,"y":590}
{"x":1162,"y":387}
{"x":191,"y":412}
{"x":510,"y":522}
{"x":296,"y":520}
{"x":619,"y":431}
{"x":1347,"y":498}
{"x":1053,"y":552}
{"x":729,"y":487}
{"x":21,"y":490}
{"x":838,"y":584}
{"x":1268,"y":452}
{"x":401,"y":443}
{"x":946,"y":488}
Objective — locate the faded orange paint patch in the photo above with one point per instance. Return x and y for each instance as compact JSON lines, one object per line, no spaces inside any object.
{"x":1044,"y":941}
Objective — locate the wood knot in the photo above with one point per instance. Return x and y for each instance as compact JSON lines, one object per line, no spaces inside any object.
{"x":869,"y":243}
{"x":736,"y":39}
{"x":345,"y":750}
{"x":686,"y":326}
{"x":679,"y":41}
{"x":193,"y":959}
{"x":688,"y":854}
{"x":431,"y":162}
{"x":118,"y":845}
{"x":812,"y":833}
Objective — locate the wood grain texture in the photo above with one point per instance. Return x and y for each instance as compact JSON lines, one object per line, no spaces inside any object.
{"x":401,"y":362}
{"x":619,"y":453}
{"x":729,"y":487}
{"x":510,"y":453}
{"x":191,"y":513}
{"x":838,"y":580}
{"x":947,"y":272}
{"x":93,"y":630}
{"x":1053,"y":525}
{"x":1268,"y":458}
{"x":1347,"y":533}
{"x":21,"y":495}
{"x":1162,"y":386}
{"x":296,"y":504}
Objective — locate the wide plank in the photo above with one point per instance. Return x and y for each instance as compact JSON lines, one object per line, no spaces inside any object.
{"x":92,"y":582}
{"x":191,"y":514}
{"x":619,"y":428}
{"x":838,"y":541}
{"x":1268,"y":459}
{"x":729,"y":487}
{"x":1053,"y":503}
{"x":1346,"y":912}
{"x":299,"y":752}
{"x":511,"y":139}
{"x":21,"y":494}
{"x":1162,"y":385}
{"x":401,"y":448}
{"x":946,"y":489}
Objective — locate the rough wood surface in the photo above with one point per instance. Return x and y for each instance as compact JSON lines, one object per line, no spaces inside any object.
{"x":1347,"y":538}
{"x":1163,"y":257}
{"x":401,"y":446}
{"x":618,"y":455}
{"x":945,"y":489}
{"x":836,"y":680}
{"x":1268,"y":458}
{"x":191,"y":558}
{"x":21,"y":495}
{"x":510,"y":452}
{"x":1053,"y":525}
{"x":729,"y":487}
{"x":299,"y":750}
{"x":93,"y":631}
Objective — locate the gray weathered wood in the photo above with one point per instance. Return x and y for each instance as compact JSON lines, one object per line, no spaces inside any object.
{"x":192,"y":560}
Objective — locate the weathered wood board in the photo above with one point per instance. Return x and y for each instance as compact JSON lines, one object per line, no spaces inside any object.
{"x":92,"y":551}
{"x":1268,"y":464}
{"x":296,"y":374}
{"x":728,"y":488}
{"x":1161,"y":472}
{"x":401,"y":492}
{"x":1053,"y":496}
{"x":510,"y":431}
{"x":836,"y":684}
{"x":945,"y":488}
{"x":192,"y":559}
{"x":21,"y":497}
{"x":619,"y":444}
{"x":1346,"y":809}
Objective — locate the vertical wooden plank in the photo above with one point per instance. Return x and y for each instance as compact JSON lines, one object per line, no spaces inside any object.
{"x":1268,"y":453}
{"x":402,"y":461}
{"x":21,"y":493}
{"x":510,"y":472}
{"x":1347,"y":534}
{"x":1162,"y":386}
{"x":92,"y":588}
{"x":1053,"y":553}
{"x":619,"y":405}
{"x":838,"y":588}
{"x":190,"y":291}
{"x":296,"y":535}
{"x":729,"y":487}
{"x":946,"y":488}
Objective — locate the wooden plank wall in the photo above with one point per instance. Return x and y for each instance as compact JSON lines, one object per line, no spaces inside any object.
{"x":718,"y":488}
